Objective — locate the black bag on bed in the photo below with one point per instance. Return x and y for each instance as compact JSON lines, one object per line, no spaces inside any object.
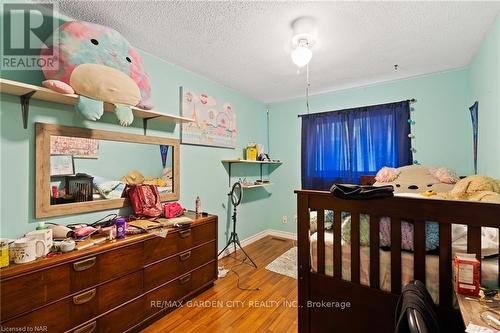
{"x":415,"y":311}
{"x":361,"y":192}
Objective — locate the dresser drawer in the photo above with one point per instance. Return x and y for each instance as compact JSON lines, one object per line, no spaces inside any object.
{"x":112,"y":287}
{"x":123,"y":318}
{"x":108,"y":265}
{"x":159,"y":299}
{"x":72,"y":311}
{"x":169,"y":269}
{"x":182,"y":240}
{"x":117,"y":292}
{"x":62,"y":315}
{"x":27,"y":292}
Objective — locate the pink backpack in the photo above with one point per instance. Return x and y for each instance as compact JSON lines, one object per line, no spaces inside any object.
{"x":173,"y":209}
{"x":145,"y":200}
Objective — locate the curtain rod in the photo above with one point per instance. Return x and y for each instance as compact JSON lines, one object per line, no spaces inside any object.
{"x":413,"y":100}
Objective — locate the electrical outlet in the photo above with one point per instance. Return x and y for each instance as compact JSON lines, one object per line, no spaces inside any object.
{"x":295,"y":218}
{"x":285,"y":219}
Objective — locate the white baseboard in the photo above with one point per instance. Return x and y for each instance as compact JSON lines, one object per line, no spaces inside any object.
{"x":282,"y":234}
{"x":258,"y":236}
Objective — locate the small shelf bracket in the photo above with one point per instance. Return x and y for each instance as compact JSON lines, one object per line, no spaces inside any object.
{"x":145,"y":123}
{"x":25,"y":107}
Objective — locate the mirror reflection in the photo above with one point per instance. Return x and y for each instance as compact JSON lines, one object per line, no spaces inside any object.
{"x":83,"y":169}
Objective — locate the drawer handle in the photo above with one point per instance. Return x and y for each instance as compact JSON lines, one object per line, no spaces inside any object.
{"x":84,"y":297}
{"x":185,"y":233}
{"x":87,"y":328}
{"x":185,"y":256}
{"x":84,"y":264}
{"x":185,"y":279}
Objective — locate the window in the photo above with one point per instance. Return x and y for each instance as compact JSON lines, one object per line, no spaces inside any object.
{"x":341,"y":146}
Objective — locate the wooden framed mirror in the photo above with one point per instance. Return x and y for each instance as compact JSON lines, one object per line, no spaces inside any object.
{"x":82,"y":170}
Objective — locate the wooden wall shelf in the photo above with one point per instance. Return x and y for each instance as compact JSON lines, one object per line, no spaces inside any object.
{"x":260,"y":163}
{"x":255,"y":185}
{"x":251,"y":162}
{"x":27,"y":91}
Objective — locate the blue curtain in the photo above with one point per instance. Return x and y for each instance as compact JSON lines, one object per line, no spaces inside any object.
{"x":341,"y":146}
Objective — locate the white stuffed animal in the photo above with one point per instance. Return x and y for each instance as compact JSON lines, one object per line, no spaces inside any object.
{"x":416,"y":179}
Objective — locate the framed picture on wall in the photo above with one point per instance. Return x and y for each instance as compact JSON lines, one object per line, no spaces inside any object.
{"x":214,"y":121}
{"x":62,"y":165}
{"x":77,"y":147}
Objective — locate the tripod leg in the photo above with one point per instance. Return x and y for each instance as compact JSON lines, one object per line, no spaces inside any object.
{"x":224,"y":249}
{"x":237,"y":241}
{"x":231,"y":240}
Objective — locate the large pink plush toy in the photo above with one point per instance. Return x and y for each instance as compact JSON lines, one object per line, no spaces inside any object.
{"x":98,"y":64}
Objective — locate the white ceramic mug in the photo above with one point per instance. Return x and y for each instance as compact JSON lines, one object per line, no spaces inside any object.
{"x":45,"y":235}
{"x":42,"y":248}
{"x":27,"y":250}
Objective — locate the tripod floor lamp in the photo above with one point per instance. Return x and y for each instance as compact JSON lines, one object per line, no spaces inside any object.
{"x":235,"y":195}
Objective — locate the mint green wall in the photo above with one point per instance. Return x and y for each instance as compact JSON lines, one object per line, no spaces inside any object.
{"x":484,"y":86}
{"x":123,"y":156}
{"x":442,"y":129}
{"x":202,"y":173}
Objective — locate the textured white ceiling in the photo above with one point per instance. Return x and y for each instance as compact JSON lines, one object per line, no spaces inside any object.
{"x":245,"y":45}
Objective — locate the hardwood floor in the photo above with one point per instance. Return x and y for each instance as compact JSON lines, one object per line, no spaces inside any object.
{"x":225,"y":308}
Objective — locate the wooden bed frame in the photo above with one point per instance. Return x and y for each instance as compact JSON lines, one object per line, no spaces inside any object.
{"x":372,"y":309}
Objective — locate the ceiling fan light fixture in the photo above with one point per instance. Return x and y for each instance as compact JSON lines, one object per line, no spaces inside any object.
{"x":302,"y":54}
{"x":304,"y":30}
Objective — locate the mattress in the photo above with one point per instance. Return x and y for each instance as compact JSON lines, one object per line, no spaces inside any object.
{"x":489,"y":267}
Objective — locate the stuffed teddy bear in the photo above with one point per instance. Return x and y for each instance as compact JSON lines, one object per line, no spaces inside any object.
{"x":167,"y":176}
{"x":98,"y":64}
{"x":475,"y":188}
{"x":416,"y":179}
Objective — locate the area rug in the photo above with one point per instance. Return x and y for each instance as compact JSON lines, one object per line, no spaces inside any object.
{"x":285,"y":264}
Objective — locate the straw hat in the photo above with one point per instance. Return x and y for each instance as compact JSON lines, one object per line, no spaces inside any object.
{"x":134,"y":177}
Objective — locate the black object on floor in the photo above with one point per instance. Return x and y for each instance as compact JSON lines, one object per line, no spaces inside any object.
{"x":416,"y":311}
{"x":235,"y":194}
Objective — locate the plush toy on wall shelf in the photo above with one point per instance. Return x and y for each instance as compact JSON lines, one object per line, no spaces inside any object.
{"x":98,"y":64}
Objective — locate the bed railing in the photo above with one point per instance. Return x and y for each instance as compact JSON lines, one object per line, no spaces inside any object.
{"x":473,"y":214}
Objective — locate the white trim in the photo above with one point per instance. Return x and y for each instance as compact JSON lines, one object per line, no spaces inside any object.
{"x":260,"y":235}
{"x":282,"y":234}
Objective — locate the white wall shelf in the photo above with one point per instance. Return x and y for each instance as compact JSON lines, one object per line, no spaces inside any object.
{"x":28,"y":91}
{"x":260,"y":163}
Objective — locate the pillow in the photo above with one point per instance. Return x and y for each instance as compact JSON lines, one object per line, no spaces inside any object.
{"x":444,"y":175}
{"x":313,"y":223}
{"x":106,"y":187}
{"x":387,"y":174}
{"x":364,"y":229}
{"x":117,"y":192}
{"x":58,"y":86}
{"x":431,"y":233}
{"x":489,"y":240}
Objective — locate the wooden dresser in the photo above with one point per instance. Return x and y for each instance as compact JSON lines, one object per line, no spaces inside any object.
{"x":118,"y":286}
